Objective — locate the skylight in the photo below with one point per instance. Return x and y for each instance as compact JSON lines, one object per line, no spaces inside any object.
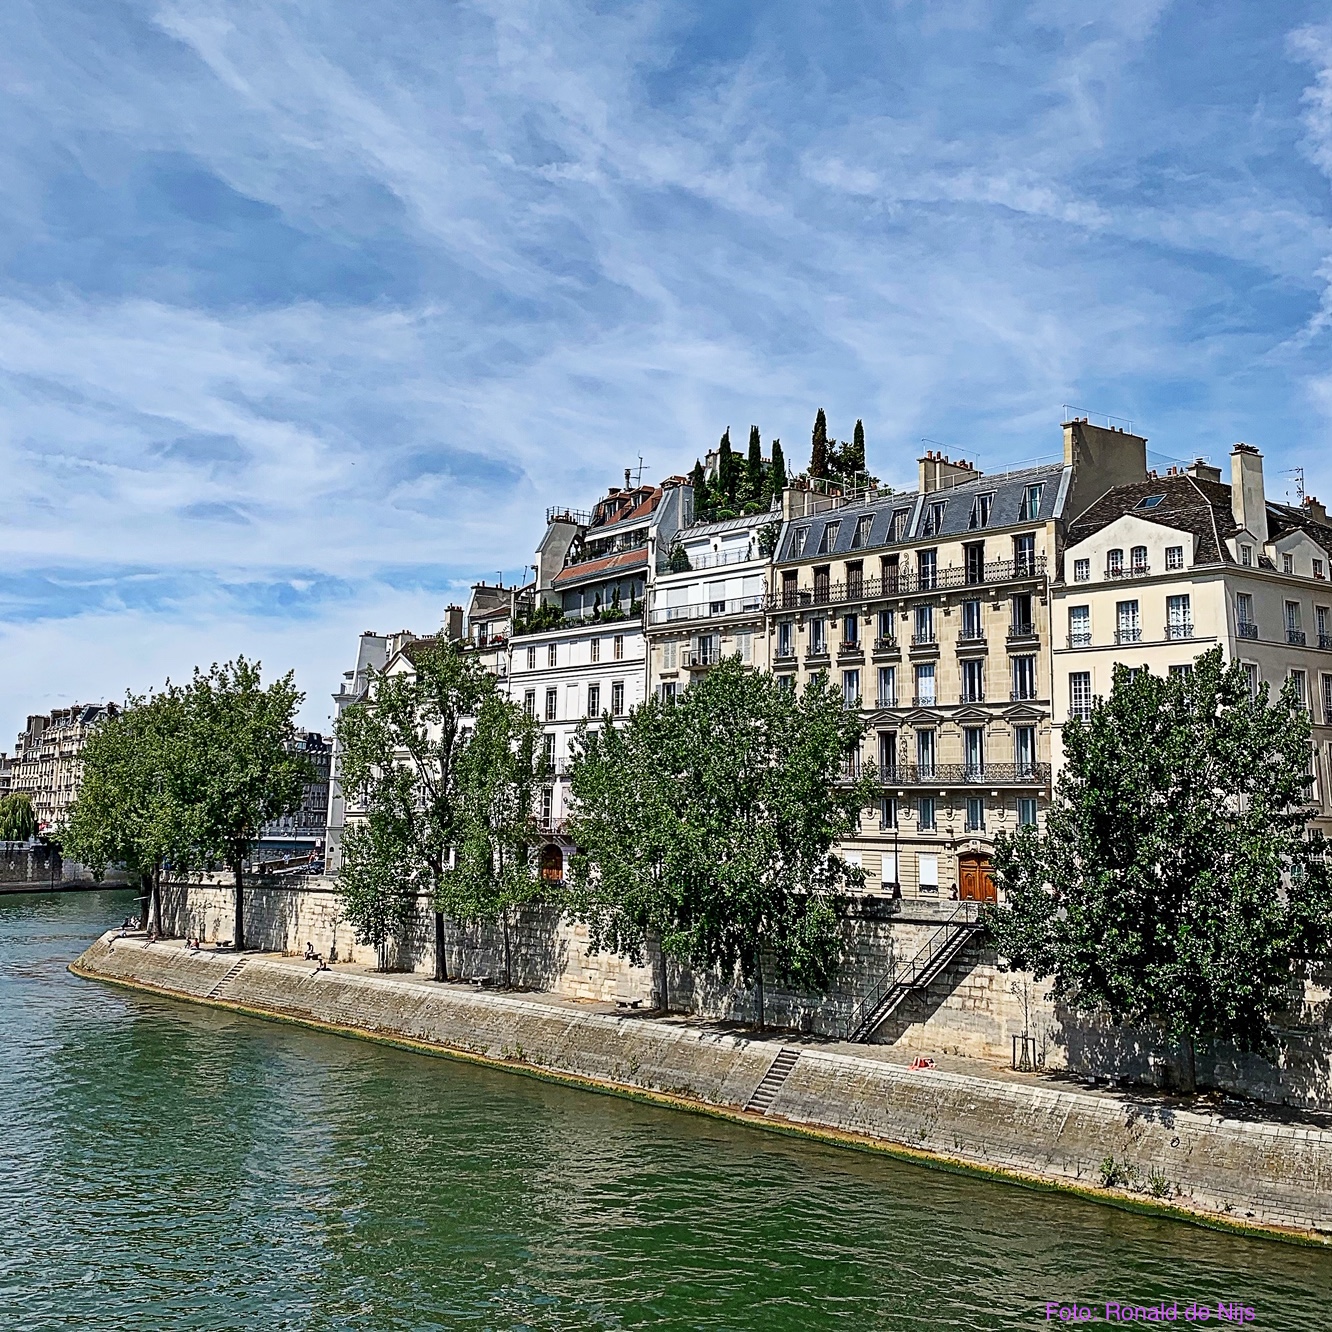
{"x":1150,"y":502}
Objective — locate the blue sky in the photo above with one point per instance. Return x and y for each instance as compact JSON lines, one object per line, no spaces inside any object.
{"x":307,"y":311}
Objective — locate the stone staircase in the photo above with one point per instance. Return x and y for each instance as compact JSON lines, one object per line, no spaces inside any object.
{"x":778,"y":1071}
{"x":224,"y":988}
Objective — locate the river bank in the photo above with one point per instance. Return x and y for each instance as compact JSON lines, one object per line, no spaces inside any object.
{"x":1220,"y":1168}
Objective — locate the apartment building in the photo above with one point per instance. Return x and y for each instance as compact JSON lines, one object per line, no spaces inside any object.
{"x":304,"y":830}
{"x":1156,"y":572}
{"x":708,"y":600}
{"x":48,"y":759}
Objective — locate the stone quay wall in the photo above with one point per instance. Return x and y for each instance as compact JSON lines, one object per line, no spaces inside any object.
{"x":1230,"y":1170}
{"x":973,"y":1008}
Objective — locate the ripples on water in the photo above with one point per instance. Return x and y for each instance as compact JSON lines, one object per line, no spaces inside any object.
{"x":168,"y":1166}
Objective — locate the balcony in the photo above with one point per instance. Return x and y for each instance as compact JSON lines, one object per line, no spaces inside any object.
{"x":971,"y":641}
{"x":968,"y":774}
{"x":972,"y":696}
{"x":1023,"y":694}
{"x":1079,"y":640}
{"x":817,"y":652}
{"x":885,"y":645}
{"x":1295,"y":637}
{"x":1184,"y":629}
{"x":850,"y":648}
{"x":1133,"y":571}
{"x":1128,"y":636}
{"x":1246,"y":630}
{"x":906,"y":584}
{"x":1325,"y":641}
{"x":702,"y":661}
{"x":886,"y":701}
{"x":929,"y":700}
{"x":706,"y":610}
{"x":1022,"y":629}
{"x":926,"y":639}
{"x":783,"y":655}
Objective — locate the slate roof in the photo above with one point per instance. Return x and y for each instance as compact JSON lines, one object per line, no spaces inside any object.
{"x":607,"y":564}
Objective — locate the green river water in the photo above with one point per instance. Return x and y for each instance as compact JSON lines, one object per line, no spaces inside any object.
{"x":172,"y":1166}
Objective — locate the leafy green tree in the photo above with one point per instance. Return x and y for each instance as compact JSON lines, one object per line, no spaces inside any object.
{"x":708,"y":823}
{"x":494,"y":870}
{"x":407,"y":775}
{"x":818,"y":455}
{"x":678,"y":561}
{"x":1174,"y":884}
{"x":242,"y":770}
{"x":18,"y":821}
{"x":134,"y":805}
{"x":777,"y":472}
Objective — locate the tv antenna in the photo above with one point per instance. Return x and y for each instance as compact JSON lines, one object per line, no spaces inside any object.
{"x":1298,"y":474}
{"x":638,"y":473}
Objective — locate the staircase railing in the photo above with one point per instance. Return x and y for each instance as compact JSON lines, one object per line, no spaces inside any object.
{"x":884,"y":995}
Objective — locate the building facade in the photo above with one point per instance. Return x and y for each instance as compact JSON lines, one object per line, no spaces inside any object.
{"x":305,"y":831}
{"x":48,"y":759}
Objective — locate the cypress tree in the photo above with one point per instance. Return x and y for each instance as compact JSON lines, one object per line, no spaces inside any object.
{"x":728,"y":471}
{"x":777,"y":473}
{"x":754,"y":468}
{"x":855,"y":457}
{"x":699,"y":481}
{"x":818,"y":456}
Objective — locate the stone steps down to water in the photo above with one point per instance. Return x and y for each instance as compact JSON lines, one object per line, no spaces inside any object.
{"x":1247,"y":1172}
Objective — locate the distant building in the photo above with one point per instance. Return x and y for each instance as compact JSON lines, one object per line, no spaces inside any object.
{"x":48,"y":759}
{"x":306,"y":829}
{"x":6,"y":774}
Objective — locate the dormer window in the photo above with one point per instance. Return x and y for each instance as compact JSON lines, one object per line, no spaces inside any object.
{"x":1318,"y":569}
{"x":798,"y":540}
{"x":860,"y":537}
{"x":829,"y":539}
{"x":1174,"y":557}
{"x":1031,"y":502}
{"x":980,"y":512}
{"x":900,"y":519}
{"x":934,"y":516}
{"x":1288,"y":564}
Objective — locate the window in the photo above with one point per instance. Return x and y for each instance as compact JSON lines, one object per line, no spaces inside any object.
{"x":828,"y":541}
{"x":1327,"y":700}
{"x":1320,"y":615}
{"x":934,"y":517}
{"x":1246,"y":556}
{"x":973,"y":749}
{"x":925,"y":821}
{"x":887,"y":627}
{"x":548,"y":746}
{"x":1181,"y":672}
{"x":1150,"y":502}
{"x":1031,"y":503}
{"x":888,"y":819}
{"x":1179,"y":618}
{"x":552,"y":704}
{"x":924,"y":625}
{"x":925,"y":685}
{"x":1128,"y":627}
{"x":1318,"y":569}
{"x":786,"y":683}
{"x":851,"y":688}
{"x":594,"y":646}
{"x":925,"y":749}
{"x":668,"y":689}
{"x":1251,"y":673}
{"x":707,"y":650}
{"x":980,"y":512}
{"x":1138,"y":559}
{"x":900,"y":519}
{"x":550,"y":655}
{"x":860,"y":537}
{"x":1300,"y":681}
{"x":594,"y":700}
{"x":822,"y":584}
{"x":1024,"y":556}
{"x":887,"y":686}
{"x":1022,"y":625}
{"x":1174,"y":557}
{"x":1079,"y":626}
{"x":855,"y":579}
{"x":617,"y":699}
{"x":850,"y":631}
{"x":890,"y":567}
{"x":888,"y":754}
{"x":1024,"y":678}
{"x":1288,"y":564}
{"x":786,"y":639}
{"x":1081,"y":571}
{"x":619,"y":647}
{"x":716,"y":598}
{"x":818,"y":637}
{"x":1294,"y":631}
{"x":531,"y":658}
{"x":1026,"y":811}
{"x":927,"y":568}
{"x":927,"y":864}
{"x":744,"y":646}
{"x":670,"y":656}
{"x":1244,"y":615}
{"x":1024,"y":750}
{"x":973,"y":560}
{"x":529,"y":703}
{"x":971,"y":621}
{"x":975,"y":814}
{"x":547,"y":806}
{"x":798,"y":539}
{"x":1114,"y":563}
{"x":1079,"y":695}
{"x":973,"y":682}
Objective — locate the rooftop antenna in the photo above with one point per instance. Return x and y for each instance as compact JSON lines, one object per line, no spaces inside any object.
{"x":1298,"y":474}
{"x":638,"y":474}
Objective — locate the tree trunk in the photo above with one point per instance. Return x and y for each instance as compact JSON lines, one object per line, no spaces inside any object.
{"x":1188,"y":1067}
{"x":155,"y":907}
{"x":441,"y":960}
{"x":758,"y":991}
{"x":508,"y":964}
{"x":238,"y":941}
{"x":146,"y":904}
{"x":661,"y":982}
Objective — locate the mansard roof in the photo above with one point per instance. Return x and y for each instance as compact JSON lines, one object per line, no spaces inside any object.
{"x":1190,"y":504}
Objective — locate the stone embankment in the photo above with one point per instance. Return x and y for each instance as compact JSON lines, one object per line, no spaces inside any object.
{"x":1223,"y":1169}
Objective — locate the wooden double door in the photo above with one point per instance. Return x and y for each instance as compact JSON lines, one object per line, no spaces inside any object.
{"x":975,"y":879}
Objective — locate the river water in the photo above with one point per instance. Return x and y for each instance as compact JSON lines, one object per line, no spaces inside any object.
{"x":170,"y":1166}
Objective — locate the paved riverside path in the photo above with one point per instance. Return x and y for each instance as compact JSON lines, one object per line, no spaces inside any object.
{"x":1207,"y":1160}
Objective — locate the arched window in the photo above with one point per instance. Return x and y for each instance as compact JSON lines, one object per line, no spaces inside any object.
{"x":1114,"y":562}
{"x":1138,"y":555}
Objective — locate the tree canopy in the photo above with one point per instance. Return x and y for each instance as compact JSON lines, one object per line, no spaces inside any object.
{"x":818,"y":454}
{"x":708,"y":822}
{"x":1174,"y":882}
{"x":18,"y":821}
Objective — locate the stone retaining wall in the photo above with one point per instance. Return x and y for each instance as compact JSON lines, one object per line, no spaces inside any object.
{"x":1268,"y":1174}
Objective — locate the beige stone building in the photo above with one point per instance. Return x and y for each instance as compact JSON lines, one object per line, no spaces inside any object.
{"x":1158,"y":571}
{"x":48,"y":759}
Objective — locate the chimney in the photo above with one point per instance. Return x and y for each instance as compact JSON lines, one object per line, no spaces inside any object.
{"x":453,"y":623}
{"x":1100,"y":457}
{"x":1201,"y":470}
{"x":628,"y":472}
{"x":1316,"y":511}
{"x":1248,"y":503}
{"x":938,"y":472}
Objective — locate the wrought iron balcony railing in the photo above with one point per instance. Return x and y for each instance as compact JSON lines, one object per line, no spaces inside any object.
{"x":1245,"y":629}
{"x":1184,"y":629}
{"x":1295,"y":637}
{"x":967,"y":774}
{"x":1128,"y":635}
{"x":906,"y":583}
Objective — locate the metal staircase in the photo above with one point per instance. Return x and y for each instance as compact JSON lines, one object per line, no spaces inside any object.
{"x":222,"y":990}
{"x":778,"y":1071}
{"x":942,"y":946}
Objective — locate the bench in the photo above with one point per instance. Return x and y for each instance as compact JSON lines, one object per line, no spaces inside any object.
{"x":628,"y":1003}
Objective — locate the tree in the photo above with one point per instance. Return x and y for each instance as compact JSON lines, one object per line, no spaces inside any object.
{"x":242,"y":770}
{"x":134,"y":805}
{"x":1174,"y":883}
{"x":754,"y":491}
{"x":678,"y":560}
{"x":18,"y":822}
{"x":777,"y":473}
{"x":405,"y":769}
{"x":728,"y":477}
{"x":498,"y":767}
{"x":702,"y":500}
{"x":708,"y":823}
{"x":853,"y":455}
{"x":818,"y":457}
